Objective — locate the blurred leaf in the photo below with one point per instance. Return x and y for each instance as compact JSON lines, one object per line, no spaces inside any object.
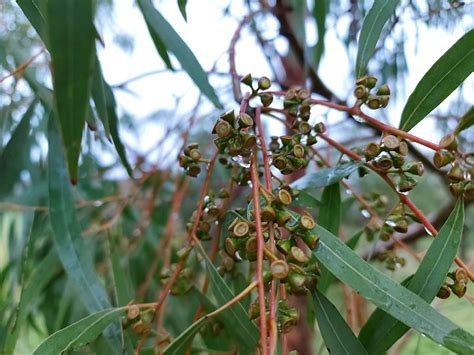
{"x":337,"y":335}
{"x":449,"y":71}
{"x":80,"y":333}
{"x":320,"y":11}
{"x":381,"y":330}
{"x":119,"y":274}
{"x":42,"y":275}
{"x":160,"y":28}
{"x":71,"y":43}
{"x":388,"y":295}
{"x":182,"y":8}
{"x":466,"y":121}
{"x":75,"y":256}
{"x":15,"y":154}
{"x":305,"y":199}
{"x":354,"y":240}
{"x":181,"y":344}
{"x":374,"y":22}
{"x":33,"y":15}
{"x":326,"y":176}
{"x":329,"y":218}
{"x":98,"y":95}
{"x":247,"y":331}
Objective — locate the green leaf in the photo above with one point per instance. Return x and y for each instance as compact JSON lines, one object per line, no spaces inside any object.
{"x":15,"y":154}
{"x":160,"y":28}
{"x":43,"y":274}
{"x":73,"y":252}
{"x":120,"y":281}
{"x":466,"y":121}
{"x":337,"y":335}
{"x":326,"y":176}
{"x":381,"y":331}
{"x":388,"y":295}
{"x":71,"y":43}
{"x":33,"y":15}
{"x":182,"y":8}
{"x":329,"y":218}
{"x":374,"y":22}
{"x":320,"y":11}
{"x":449,"y":71}
{"x":114,"y":126}
{"x":247,"y":333}
{"x":305,"y":199}
{"x":181,"y":344}
{"x":80,"y":333}
{"x":98,"y":95}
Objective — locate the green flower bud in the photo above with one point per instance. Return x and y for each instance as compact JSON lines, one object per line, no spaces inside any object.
{"x":455,"y":173}
{"x":264,"y":83}
{"x":459,"y":288}
{"x":457,"y":189}
{"x":311,"y":240}
{"x":441,"y":159}
{"x":282,"y":216}
{"x":370,"y":81}
{"x":320,"y":127}
{"x":311,"y":140}
{"x":383,"y":90}
{"x":415,"y":168}
{"x":266,"y":99}
{"x":223,"y":193}
{"x":286,"y":140}
{"x":285,"y":245}
{"x":397,"y":159}
{"x":296,"y":281}
{"x":229,"y":116}
{"x":193,"y":170}
{"x":406,"y":183}
{"x":384,"y":100}
{"x":247,"y":79}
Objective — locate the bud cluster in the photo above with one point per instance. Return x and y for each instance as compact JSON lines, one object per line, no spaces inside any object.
{"x":375,"y":100}
{"x":289,"y":154}
{"x":391,"y":259}
{"x":458,"y":284}
{"x":190,"y":159}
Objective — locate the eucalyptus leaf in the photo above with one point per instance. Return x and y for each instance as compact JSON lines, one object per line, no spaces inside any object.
{"x":80,"y":333}
{"x":374,"y":22}
{"x":466,"y":121}
{"x":161,"y":29}
{"x":181,"y":344}
{"x":381,"y":330}
{"x":449,"y":71}
{"x":320,"y":12}
{"x":326,"y":176}
{"x":182,"y":8}
{"x":337,"y":335}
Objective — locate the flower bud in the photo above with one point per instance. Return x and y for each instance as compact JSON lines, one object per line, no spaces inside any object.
{"x":247,"y":79}
{"x":384,"y":100}
{"x":444,"y":292}
{"x":415,"y":168}
{"x":229,"y":116}
{"x":441,"y":159}
{"x":282,"y":216}
{"x":320,"y":127}
{"x":286,"y":140}
{"x":397,"y":159}
{"x":296,"y":281}
{"x":223,"y":193}
{"x":449,"y":142}
{"x":469,"y":191}
{"x":279,"y":269}
{"x":245,"y":120}
{"x":264,"y":83}
{"x":285,"y":245}
{"x":193,"y":170}
{"x":406,"y":184}
{"x":457,"y":189}
{"x":311,"y":140}
{"x":383,"y":90}
{"x":456,"y":173}
{"x":266,"y":99}
{"x":459,"y":288}
{"x":368,"y":81}
{"x":311,"y":240}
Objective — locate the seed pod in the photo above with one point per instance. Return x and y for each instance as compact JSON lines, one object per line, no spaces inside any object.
{"x":371,"y":151}
{"x":299,"y":151}
{"x":406,"y":183}
{"x":241,"y":229}
{"x":397,"y":159}
{"x":401,"y":225}
{"x":311,"y":140}
{"x":441,"y":159}
{"x":229,"y":117}
{"x":298,"y":255}
{"x":383,"y":163}
{"x":267,"y":214}
{"x":311,"y":240}
{"x":415,"y":168}
{"x":195,"y":154}
{"x":133,"y":311}
{"x":286,"y":323}
{"x":384,"y":100}
{"x":230,"y":247}
{"x":139,"y":327}
{"x":383,"y":90}
{"x":280,"y":162}
{"x":244,"y":120}
{"x":284,"y":197}
{"x":279,"y":269}
{"x":223,"y":193}
{"x":247,"y":79}
{"x":213,"y":210}
{"x":264,"y":83}
{"x":320,"y":127}
{"x":285,"y":245}
{"x":297,"y":162}
{"x":266,"y":99}
{"x":455,"y":173}
{"x":222,"y":128}
{"x":457,"y":189}
{"x":360,"y":92}
{"x":385,"y":236}
{"x":459,"y":288}
{"x":444,"y":292}
{"x":296,"y":281}
{"x":204,"y":226}
{"x":251,"y":248}
{"x":286,"y":140}
{"x":469,"y":190}
{"x":235,"y":147}
{"x":304,"y":127}
{"x":190,"y":147}
{"x":460,"y":275}
{"x":303,"y":94}
{"x":390,"y":142}
{"x":193,"y":170}
{"x":403,"y":148}
{"x":373,"y":102}
{"x":282,"y":216}
{"x":449,"y":142}
{"x":184,"y":161}
{"x":249,"y":141}
{"x":307,"y":222}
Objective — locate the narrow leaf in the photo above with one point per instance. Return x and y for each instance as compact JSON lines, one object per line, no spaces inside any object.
{"x":449,"y":71}
{"x":75,"y":256}
{"x":181,"y":344}
{"x":374,"y":22}
{"x":466,"y":121}
{"x":247,"y":331}
{"x":326,"y":176}
{"x":182,"y":8}
{"x":305,"y":199}
{"x":337,"y":336}
{"x":320,"y":11}
{"x":80,"y":333}
{"x":14,"y":155}
{"x":71,"y":43}
{"x":329,"y":218}
{"x":33,"y":15}
{"x":161,"y":29}
{"x":381,"y":331}
{"x":98,"y":95}
{"x":120,"y":281}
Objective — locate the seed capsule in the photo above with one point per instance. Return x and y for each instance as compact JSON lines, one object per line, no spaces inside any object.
{"x":457,"y":189}
{"x":285,"y":245}
{"x":397,"y":159}
{"x":390,"y":142}
{"x":360,"y":92}
{"x":282,"y":217}
{"x":441,"y":159}
{"x":459,"y":288}
{"x":320,"y":127}
{"x":280,"y":162}
{"x":384,"y":100}
{"x":284,"y":197}
{"x":461,"y":275}
{"x":304,"y":127}
{"x":383,"y":90}
{"x":193,"y":170}
{"x":307,"y":222}
{"x":297,"y":255}
{"x":406,"y":184}
{"x":299,"y":151}
{"x":444,"y":292}
{"x":311,"y":140}
{"x":296,"y":281}
{"x":415,"y":168}
{"x":264,"y":83}
{"x":195,"y":154}
{"x":371,"y":151}
{"x":222,"y":128}
{"x":279,"y":269}
{"x":266,"y":99}
{"x":241,"y":229}
{"x":311,"y":240}
{"x":247,"y":79}
{"x":383,"y":163}
{"x":373,"y":102}
{"x":455,"y":173}
{"x":244,"y":120}
{"x":228,"y":116}
{"x":133,"y":311}
{"x":403,"y":148}
{"x":449,"y":142}
{"x":249,"y":141}
{"x":267,"y":214}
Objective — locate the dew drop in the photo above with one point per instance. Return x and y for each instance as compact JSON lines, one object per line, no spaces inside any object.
{"x":428,"y":231}
{"x":243,"y":162}
{"x":98,"y":203}
{"x":365,"y":213}
{"x":358,"y":119}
